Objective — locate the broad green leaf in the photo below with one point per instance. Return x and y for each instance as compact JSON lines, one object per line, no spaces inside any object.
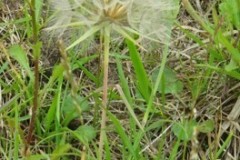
{"x":184,"y":130}
{"x":206,"y":126}
{"x":69,"y":108}
{"x":85,"y":133}
{"x":20,"y":56}
{"x":171,"y":83}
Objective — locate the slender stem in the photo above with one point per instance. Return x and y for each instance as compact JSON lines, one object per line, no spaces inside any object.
{"x":36,"y":55}
{"x":187,"y":5}
{"x":106,"y":46}
{"x":35,"y":101}
{"x":70,"y":78}
{"x":156,"y":85}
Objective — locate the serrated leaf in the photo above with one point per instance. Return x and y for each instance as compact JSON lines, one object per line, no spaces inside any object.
{"x":206,"y":126}
{"x":184,"y":130}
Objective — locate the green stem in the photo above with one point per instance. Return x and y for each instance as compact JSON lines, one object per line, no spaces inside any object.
{"x":36,"y":55}
{"x":106,"y":46}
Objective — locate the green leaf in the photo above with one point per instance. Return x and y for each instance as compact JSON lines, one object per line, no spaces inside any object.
{"x":38,"y":9}
{"x":224,"y":145}
{"x":174,"y":151}
{"x":124,"y":137}
{"x":231,"y":66}
{"x":3,"y":67}
{"x":20,"y":56}
{"x":184,"y":130}
{"x":85,"y":133}
{"x":141,"y":74}
{"x":171,"y":83}
{"x":57,"y":72}
{"x":206,"y":126}
{"x":59,"y":151}
{"x":51,"y":113}
{"x":123,"y":81}
{"x":230,"y":9}
{"x":38,"y":157}
{"x":69,"y":108}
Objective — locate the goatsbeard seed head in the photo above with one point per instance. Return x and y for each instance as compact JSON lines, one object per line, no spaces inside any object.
{"x":151,"y":19}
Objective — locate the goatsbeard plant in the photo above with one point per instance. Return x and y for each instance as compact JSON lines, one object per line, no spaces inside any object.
{"x":151,"y":20}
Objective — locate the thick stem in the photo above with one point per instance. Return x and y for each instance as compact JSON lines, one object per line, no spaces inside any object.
{"x":106,"y":46}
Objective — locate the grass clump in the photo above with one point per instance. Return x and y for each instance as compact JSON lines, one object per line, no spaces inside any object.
{"x":119,"y":83}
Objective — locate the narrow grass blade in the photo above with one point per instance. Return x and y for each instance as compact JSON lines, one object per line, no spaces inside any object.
{"x":53,"y":112}
{"x":89,"y":74}
{"x":233,"y":74}
{"x":107,"y":150}
{"x":87,"y":34}
{"x":123,"y":82}
{"x":174,"y":151}
{"x":129,"y":107}
{"x":234,"y":52}
{"x":75,"y":24}
{"x":156,"y":85}
{"x":124,"y":137}
{"x":127,"y":36}
{"x":143,"y":82}
{"x":16,"y":132}
{"x":9,"y":103}
{"x":224,"y":145}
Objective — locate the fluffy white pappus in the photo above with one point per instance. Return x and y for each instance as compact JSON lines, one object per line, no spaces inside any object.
{"x":151,"y":19}
{"x":61,"y":17}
